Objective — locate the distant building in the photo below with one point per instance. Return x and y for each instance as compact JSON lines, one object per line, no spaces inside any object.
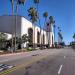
{"x":23,"y":26}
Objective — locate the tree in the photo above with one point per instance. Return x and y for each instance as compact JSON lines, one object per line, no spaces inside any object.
{"x":74,"y":37}
{"x":12,"y":3}
{"x":33,"y":17}
{"x":3,"y":37}
{"x":25,"y":38}
{"x":45,"y":15}
{"x":54,"y":31}
{"x":18,"y":2}
{"x":60,"y":36}
{"x":36,"y":1}
{"x":21,"y":1}
{"x":52,"y":21}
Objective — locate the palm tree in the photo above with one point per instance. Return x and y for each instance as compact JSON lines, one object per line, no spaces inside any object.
{"x":74,"y":37}
{"x":37,"y":3}
{"x":37,"y":7}
{"x":60,"y":36}
{"x":54,"y":31}
{"x":33,"y":16}
{"x":21,"y":1}
{"x":18,"y":2}
{"x":12,"y":3}
{"x":45,"y":15}
{"x":52,"y":21}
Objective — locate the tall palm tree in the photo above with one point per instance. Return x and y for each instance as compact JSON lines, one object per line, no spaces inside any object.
{"x":37,"y":3}
{"x":18,"y":2}
{"x":37,"y":7}
{"x":52,"y":21}
{"x":12,"y":3}
{"x":60,"y":36}
{"x":54,"y":32}
{"x":21,"y":1}
{"x":45,"y":15}
{"x":33,"y":17}
{"x":74,"y":37}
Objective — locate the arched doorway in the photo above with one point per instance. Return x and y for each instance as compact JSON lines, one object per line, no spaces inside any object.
{"x":30,"y":34}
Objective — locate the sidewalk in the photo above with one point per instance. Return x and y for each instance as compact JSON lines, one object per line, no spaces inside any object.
{"x":12,"y":53}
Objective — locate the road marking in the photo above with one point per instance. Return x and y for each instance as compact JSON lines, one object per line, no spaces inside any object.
{"x":34,"y":59}
{"x":64,"y":57}
{"x":59,"y":71}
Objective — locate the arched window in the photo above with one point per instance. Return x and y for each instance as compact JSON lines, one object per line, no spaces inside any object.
{"x":38,"y":37}
{"x":30,"y":34}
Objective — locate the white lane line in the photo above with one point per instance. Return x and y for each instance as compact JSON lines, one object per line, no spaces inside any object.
{"x":59,"y":71}
{"x":64,"y":57}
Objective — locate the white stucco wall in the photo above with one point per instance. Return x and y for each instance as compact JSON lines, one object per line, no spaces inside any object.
{"x":7,"y":25}
{"x":25,"y":24}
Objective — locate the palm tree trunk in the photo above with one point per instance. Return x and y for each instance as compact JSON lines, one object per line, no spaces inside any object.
{"x":33,"y":36}
{"x":16,"y":23}
{"x":12,"y":15}
{"x":54,"y":33}
{"x":44,"y":26}
{"x":40,"y":35}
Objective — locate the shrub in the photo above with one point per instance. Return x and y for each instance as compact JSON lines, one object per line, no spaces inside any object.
{"x":29,"y":48}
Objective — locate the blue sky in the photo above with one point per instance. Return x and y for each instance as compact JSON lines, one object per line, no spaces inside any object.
{"x":62,"y":10}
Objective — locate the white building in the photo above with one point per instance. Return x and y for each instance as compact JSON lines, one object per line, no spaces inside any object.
{"x":23,"y":26}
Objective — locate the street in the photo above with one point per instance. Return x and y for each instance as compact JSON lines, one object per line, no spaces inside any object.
{"x":41,"y":62}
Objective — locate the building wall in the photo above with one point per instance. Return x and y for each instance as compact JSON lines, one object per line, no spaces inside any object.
{"x":25,"y":24}
{"x":7,"y":25}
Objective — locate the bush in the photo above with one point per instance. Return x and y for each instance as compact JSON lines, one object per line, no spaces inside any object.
{"x":30,"y":49}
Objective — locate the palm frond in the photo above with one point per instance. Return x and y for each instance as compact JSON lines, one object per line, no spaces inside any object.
{"x":36,"y":1}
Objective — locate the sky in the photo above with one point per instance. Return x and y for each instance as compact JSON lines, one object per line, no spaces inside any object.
{"x":62,"y":10}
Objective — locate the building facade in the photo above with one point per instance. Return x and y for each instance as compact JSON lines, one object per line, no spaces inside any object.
{"x":23,"y":26}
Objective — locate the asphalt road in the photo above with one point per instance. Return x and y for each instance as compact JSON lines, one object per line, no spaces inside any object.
{"x":41,"y":62}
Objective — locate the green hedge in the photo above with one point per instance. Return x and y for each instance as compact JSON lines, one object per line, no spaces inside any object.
{"x":29,"y":48}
